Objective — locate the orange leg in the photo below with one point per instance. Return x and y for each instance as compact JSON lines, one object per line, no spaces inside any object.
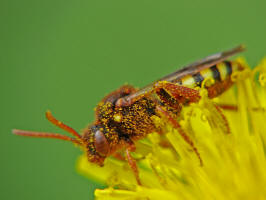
{"x":118,"y":156}
{"x":132,"y":162}
{"x":177,"y":126}
{"x":180,"y":93}
{"x":228,"y":107}
{"x":224,"y":118}
{"x":184,"y":95}
{"x":231,"y":107}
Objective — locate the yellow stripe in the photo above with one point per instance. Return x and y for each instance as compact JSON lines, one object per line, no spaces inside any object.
{"x":206,"y":73}
{"x":222,"y":69}
{"x":188,"y":81}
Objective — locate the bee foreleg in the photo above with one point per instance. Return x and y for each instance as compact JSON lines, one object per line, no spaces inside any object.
{"x":132,"y":163}
{"x":177,"y":126}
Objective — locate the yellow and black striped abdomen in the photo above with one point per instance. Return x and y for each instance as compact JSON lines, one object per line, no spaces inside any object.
{"x":220,"y":73}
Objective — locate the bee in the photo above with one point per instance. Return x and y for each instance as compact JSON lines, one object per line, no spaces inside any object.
{"x":126,"y":114}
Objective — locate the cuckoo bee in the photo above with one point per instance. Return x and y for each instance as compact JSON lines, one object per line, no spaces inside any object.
{"x":126,"y":114}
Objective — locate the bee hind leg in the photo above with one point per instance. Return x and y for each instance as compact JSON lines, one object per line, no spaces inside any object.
{"x":223,"y":118}
{"x":231,"y":107}
{"x":168,"y":92}
{"x":183,"y":96}
{"x":165,"y":114}
{"x":175,"y":96}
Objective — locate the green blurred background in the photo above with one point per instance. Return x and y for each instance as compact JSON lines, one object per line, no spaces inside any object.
{"x":66,"y":55}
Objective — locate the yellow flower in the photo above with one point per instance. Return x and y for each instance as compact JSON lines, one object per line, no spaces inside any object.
{"x":234,"y":164}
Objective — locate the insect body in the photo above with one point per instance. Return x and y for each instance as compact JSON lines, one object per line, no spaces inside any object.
{"x":126,"y":115}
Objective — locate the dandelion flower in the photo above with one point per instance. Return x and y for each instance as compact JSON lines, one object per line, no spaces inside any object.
{"x":234,"y":164}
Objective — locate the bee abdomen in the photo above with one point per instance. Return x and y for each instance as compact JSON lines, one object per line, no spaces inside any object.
{"x":219,"y":73}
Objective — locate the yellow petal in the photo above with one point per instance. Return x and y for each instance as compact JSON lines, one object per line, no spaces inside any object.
{"x":234,"y":164}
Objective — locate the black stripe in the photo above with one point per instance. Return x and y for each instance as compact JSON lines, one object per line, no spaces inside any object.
{"x":179,"y":81}
{"x":198,"y":78}
{"x":167,"y":99}
{"x":215,"y":72}
{"x":228,"y":65}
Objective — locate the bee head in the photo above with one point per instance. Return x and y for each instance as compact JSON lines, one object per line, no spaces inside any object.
{"x":97,"y":145}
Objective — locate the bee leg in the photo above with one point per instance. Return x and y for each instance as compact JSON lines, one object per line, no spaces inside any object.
{"x":225,"y":121}
{"x":169,"y":91}
{"x":229,"y":107}
{"x":165,"y":143}
{"x":118,"y":156}
{"x":177,"y":126}
{"x":175,"y":96}
{"x":182,"y":95}
{"x":132,"y":162}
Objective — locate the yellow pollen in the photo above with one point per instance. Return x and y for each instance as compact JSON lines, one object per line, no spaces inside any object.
{"x":207,"y":82}
{"x":117,"y":117}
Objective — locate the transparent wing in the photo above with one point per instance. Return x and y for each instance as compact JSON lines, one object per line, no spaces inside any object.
{"x":203,"y":63}
{"x":189,"y":69}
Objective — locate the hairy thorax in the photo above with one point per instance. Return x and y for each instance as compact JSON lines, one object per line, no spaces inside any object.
{"x":130,"y":122}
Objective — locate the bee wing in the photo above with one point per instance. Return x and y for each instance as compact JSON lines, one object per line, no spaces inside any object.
{"x":189,"y":69}
{"x":202,"y":64}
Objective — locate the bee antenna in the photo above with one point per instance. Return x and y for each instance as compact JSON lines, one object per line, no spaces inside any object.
{"x":61,"y":125}
{"x":45,"y":135}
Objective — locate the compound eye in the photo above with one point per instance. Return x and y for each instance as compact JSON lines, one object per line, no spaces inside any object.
{"x":101,"y":144}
